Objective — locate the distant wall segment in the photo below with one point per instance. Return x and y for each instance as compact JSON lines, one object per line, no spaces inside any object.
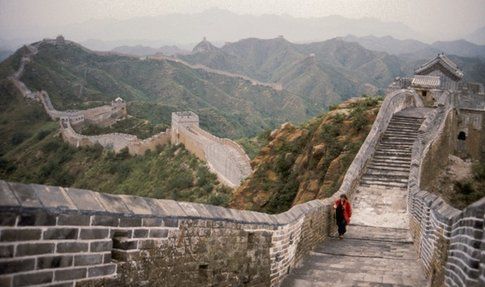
{"x":53,"y":235}
{"x":223,"y":156}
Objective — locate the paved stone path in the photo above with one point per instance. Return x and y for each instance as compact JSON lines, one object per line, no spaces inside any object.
{"x":377,"y":249}
{"x":368,"y":256}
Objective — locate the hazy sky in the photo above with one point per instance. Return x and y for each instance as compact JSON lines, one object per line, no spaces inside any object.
{"x":426,"y":16}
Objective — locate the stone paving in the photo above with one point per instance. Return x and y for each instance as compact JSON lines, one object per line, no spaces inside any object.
{"x":368,"y":256}
{"x":377,"y":249}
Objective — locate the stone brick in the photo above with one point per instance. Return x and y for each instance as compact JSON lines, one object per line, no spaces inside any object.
{"x":6,"y":251}
{"x":73,"y":219}
{"x":171,"y":222}
{"x":8,"y":219}
{"x":123,"y":243}
{"x":149,"y":244}
{"x":101,"y":246}
{"x":152,"y":222}
{"x":34,"y":249}
{"x":6,"y":281}
{"x":70,"y":274}
{"x":7,"y":198}
{"x":137,"y":205}
{"x":113,"y":203}
{"x":88,"y":259}
{"x":130,"y":222}
{"x":53,"y":197}
{"x":61,"y":233}
{"x":20,"y":234}
{"x":105,"y":220}
{"x":158,"y":233}
{"x":94,"y":233}
{"x":19,"y":265}
{"x":25,"y":194}
{"x":127,"y":233}
{"x":65,"y":284}
{"x":124,"y":255}
{"x":57,"y":261}
{"x":107,"y":258}
{"x":35,"y":278}
{"x":140,"y":233}
{"x":37,"y":218}
{"x":102,"y":270}
{"x":65,"y":247}
{"x":84,"y":199}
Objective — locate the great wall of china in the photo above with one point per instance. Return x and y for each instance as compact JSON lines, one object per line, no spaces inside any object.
{"x":401,"y":234}
{"x":224,"y":157}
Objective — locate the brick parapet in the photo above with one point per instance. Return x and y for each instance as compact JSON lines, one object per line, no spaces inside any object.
{"x":449,"y":241}
{"x":51,"y":235}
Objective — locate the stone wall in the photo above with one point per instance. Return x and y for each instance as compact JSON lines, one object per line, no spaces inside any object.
{"x":394,"y":102}
{"x":72,"y":237}
{"x":224,"y":157}
{"x":114,"y":141}
{"x":449,"y":241}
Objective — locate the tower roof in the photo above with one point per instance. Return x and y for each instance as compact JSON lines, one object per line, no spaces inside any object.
{"x":440,"y":61}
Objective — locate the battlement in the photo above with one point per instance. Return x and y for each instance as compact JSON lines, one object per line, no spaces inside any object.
{"x":186,"y":118}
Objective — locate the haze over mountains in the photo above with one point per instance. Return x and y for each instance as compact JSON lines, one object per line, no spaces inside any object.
{"x":395,"y":46}
{"x":218,"y":25}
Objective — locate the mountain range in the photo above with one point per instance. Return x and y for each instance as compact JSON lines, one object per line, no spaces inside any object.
{"x":395,"y":46}
{"x":141,"y":51}
{"x":216,"y":24}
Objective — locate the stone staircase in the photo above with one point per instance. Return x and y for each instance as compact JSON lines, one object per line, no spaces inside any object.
{"x":377,"y":249}
{"x":389,"y":167}
{"x":368,"y":256}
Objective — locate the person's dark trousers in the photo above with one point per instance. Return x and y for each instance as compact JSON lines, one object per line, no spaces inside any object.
{"x":341,"y":227}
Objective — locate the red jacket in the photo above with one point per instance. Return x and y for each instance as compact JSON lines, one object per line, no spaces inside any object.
{"x":347,"y":210}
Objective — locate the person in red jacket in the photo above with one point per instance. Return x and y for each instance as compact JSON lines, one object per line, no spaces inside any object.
{"x":343,"y":212}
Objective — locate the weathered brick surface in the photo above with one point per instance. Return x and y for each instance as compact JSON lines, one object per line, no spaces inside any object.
{"x":70,"y":236}
{"x":449,"y":241}
{"x":56,"y":261}
{"x":34,"y":249}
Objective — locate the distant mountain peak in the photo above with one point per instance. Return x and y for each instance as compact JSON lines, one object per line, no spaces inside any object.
{"x":204,"y":46}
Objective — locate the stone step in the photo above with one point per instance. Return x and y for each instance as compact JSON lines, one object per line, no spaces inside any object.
{"x":393,"y":149}
{"x":393,"y":154}
{"x":400,"y":134}
{"x":387,"y":172}
{"x":393,"y":146}
{"x":401,"y":139}
{"x":407,"y":118}
{"x":389,"y":167}
{"x":388,"y":178}
{"x":402,"y":129}
{"x":405,"y":123}
{"x":369,"y":179}
{"x":403,"y":126}
{"x":391,"y":161}
{"x":396,"y":143}
{"x":370,"y":183}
